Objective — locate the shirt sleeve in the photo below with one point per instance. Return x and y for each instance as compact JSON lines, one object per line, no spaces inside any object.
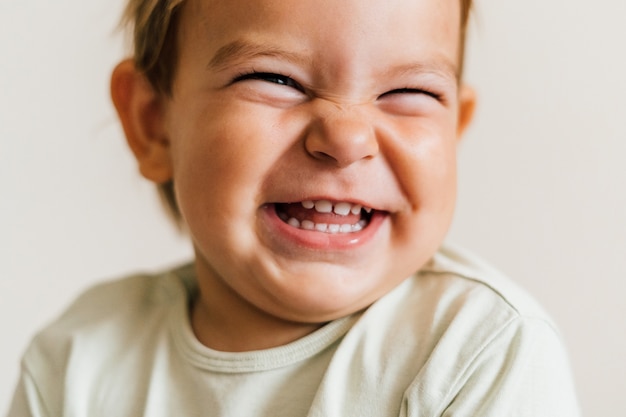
{"x":523,"y":372}
{"x":27,"y":400}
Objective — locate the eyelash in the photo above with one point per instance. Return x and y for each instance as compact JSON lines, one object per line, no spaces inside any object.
{"x":290,"y":82}
{"x":269,"y":77}
{"x":408,"y":90}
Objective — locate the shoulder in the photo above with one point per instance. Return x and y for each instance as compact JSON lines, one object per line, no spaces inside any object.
{"x":124,"y":298}
{"x":109,"y":315}
{"x":480,"y":283}
{"x":457,"y":296}
{"x":132,"y":294}
{"x":476,"y":306}
{"x":487,"y":338}
{"x":108,"y":334}
{"x":458,"y":302}
{"x":456,"y":332}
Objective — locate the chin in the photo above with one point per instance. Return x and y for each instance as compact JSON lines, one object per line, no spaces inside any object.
{"x":316,"y":292}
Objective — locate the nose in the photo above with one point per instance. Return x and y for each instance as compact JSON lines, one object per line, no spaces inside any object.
{"x":341,"y":136}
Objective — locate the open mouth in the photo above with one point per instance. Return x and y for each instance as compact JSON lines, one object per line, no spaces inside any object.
{"x":325,"y":216}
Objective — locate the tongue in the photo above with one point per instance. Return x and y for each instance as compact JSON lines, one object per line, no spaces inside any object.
{"x":296,"y":211}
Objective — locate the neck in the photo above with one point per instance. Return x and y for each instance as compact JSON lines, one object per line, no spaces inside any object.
{"x":223,"y":320}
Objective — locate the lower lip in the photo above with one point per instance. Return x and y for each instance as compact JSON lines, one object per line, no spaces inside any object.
{"x":319,"y":241}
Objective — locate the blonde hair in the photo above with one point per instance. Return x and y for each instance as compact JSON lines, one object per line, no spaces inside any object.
{"x":154,"y":24}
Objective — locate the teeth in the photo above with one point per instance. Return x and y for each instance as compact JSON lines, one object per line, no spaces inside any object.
{"x":327,"y":228}
{"x":323,"y":206}
{"x":308,"y":225}
{"x":345,"y":228}
{"x":341,"y":209}
{"x":326,"y":206}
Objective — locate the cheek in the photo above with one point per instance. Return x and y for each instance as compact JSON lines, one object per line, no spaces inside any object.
{"x":424,"y":161}
{"x":221,"y":160}
{"x":436,"y":177}
{"x":426,"y":169}
{"x":219,"y":146}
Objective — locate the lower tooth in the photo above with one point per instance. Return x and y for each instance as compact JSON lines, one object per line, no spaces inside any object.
{"x":327,"y":228}
{"x":346,"y":228}
{"x":321,"y":227}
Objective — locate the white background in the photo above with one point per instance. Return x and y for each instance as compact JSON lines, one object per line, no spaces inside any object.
{"x":542,"y":178}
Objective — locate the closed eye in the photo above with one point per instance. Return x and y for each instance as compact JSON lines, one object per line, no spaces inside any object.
{"x":407,"y":90}
{"x":412,"y":101}
{"x":270,"y":78}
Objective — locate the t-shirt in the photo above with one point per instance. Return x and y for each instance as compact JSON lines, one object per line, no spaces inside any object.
{"x":455,"y":339}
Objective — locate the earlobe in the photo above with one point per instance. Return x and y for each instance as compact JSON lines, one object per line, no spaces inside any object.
{"x":467,"y":107}
{"x":141,"y":111}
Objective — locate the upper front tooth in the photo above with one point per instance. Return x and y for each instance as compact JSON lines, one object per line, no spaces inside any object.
{"x":324,"y":206}
{"x":343,"y":209}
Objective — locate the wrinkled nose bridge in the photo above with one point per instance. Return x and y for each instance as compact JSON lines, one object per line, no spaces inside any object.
{"x":341,"y":134}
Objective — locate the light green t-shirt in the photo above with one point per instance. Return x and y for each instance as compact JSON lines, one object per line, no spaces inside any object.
{"x":456,"y":339}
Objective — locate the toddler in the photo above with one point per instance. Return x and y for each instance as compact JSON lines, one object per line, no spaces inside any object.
{"x":308,"y":147}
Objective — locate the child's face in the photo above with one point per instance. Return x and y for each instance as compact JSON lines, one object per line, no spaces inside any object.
{"x":279,"y":102}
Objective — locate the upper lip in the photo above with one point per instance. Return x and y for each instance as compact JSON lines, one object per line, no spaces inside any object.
{"x":289,"y":193}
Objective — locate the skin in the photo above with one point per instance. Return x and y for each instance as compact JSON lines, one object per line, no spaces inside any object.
{"x":365,"y":107}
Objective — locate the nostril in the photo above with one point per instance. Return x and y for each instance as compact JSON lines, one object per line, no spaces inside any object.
{"x":342,"y":139}
{"x":323,"y":156}
{"x":339,"y":158}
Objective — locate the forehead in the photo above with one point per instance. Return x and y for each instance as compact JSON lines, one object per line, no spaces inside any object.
{"x":358,"y":29}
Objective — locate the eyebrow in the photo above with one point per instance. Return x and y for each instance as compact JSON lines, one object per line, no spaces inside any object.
{"x":440,"y":67}
{"x":241,"y":50}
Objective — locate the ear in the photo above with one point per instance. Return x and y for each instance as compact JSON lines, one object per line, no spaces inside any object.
{"x":467,"y":107}
{"x":142,"y":114}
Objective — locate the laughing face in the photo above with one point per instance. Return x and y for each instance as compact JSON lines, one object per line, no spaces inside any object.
{"x":312,"y":148}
